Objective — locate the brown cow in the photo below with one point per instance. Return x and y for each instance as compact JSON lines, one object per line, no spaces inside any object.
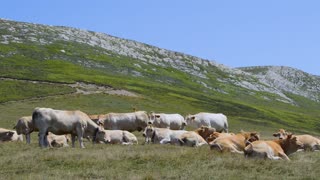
{"x":205,"y":131}
{"x":235,"y":143}
{"x":215,"y":135}
{"x":309,"y":142}
{"x":276,"y":149}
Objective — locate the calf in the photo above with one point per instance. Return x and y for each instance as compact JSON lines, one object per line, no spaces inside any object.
{"x":276,"y":149}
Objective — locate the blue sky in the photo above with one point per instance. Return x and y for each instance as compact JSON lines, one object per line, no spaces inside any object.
{"x":232,"y":32}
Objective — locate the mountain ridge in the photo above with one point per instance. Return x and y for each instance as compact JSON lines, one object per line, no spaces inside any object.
{"x":204,"y":70}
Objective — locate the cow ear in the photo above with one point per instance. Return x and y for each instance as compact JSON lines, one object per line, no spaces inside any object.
{"x":193,"y":117}
{"x":275,"y":134}
{"x":289,"y":136}
{"x":157,"y":116}
{"x":294,"y":138}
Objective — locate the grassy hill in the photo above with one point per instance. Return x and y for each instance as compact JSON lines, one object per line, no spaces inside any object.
{"x":39,"y":63}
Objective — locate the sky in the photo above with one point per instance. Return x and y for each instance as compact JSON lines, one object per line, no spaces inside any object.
{"x":231,"y":32}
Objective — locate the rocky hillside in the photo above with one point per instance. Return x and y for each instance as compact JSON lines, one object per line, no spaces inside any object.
{"x":130,"y":58}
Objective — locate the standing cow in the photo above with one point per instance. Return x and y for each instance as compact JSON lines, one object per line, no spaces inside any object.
{"x":125,"y":121}
{"x":61,"y":122}
{"x":24,"y":126}
{"x":171,"y":121}
{"x":217,"y":121}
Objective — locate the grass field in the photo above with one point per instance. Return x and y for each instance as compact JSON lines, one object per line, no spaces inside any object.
{"x":100,"y":161}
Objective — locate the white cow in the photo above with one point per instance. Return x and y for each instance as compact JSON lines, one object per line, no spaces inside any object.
{"x":9,"y":135}
{"x":162,"y":135}
{"x":116,"y":137}
{"x":171,"y":121}
{"x":60,"y":122}
{"x":124,"y":121}
{"x":217,"y":121}
{"x":24,"y":126}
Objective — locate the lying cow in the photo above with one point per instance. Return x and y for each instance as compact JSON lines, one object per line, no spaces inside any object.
{"x":308,"y":141}
{"x":162,"y":135}
{"x":235,"y":143}
{"x":276,"y":149}
{"x":216,"y":135}
{"x":24,"y":126}
{"x":205,"y":132}
{"x":174,"y":137}
{"x":191,"y":139}
{"x":125,"y":121}
{"x":217,"y":121}
{"x":57,"y":140}
{"x":9,"y":135}
{"x":60,"y":122}
{"x":171,"y":121}
{"x":116,"y":137}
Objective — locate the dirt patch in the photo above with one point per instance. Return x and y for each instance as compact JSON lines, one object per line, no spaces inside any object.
{"x":83,"y":88}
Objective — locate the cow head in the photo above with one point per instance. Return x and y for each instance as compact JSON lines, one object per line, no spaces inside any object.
{"x":153,"y":117}
{"x":250,"y":137}
{"x":282,"y":134}
{"x":205,"y":131}
{"x":102,"y":136}
{"x":213,"y":136}
{"x":149,"y":133}
{"x":190,"y":119}
{"x":291,"y":144}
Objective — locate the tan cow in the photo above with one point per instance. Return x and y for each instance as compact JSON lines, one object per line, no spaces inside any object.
{"x":61,"y":122}
{"x":309,"y":142}
{"x":24,"y":126}
{"x":9,"y":135}
{"x":116,"y":137}
{"x":125,"y":121}
{"x":57,"y":140}
{"x":215,"y":135}
{"x":191,"y":139}
{"x":276,"y":149}
{"x":205,"y":131}
{"x":235,"y":143}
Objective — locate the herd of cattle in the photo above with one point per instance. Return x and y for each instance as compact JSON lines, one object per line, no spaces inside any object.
{"x":55,"y":128}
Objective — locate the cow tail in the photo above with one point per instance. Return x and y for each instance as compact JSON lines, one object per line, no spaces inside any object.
{"x":226,"y":126}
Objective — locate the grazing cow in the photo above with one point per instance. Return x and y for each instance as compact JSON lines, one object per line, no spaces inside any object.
{"x":162,"y":135}
{"x":215,"y":135}
{"x":24,"y":126}
{"x":217,"y":121}
{"x":235,"y":143}
{"x":309,"y":142}
{"x":9,"y":135}
{"x":60,"y":122}
{"x":57,"y":140}
{"x":116,"y":137}
{"x":171,"y":121}
{"x":205,"y":132}
{"x":276,"y":149}
{"x":125,"y":121}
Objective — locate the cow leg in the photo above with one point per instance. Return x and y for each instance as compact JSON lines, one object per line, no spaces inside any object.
{"x":73,"y":140}
{"x":28,"y":138}
{"x":165,"y":141}
{"x":42,"y":141}
{"x":80,"y":133}
{"x":284,"y":156}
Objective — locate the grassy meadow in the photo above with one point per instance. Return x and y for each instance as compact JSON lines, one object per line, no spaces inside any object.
{"x":142,"y":161}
